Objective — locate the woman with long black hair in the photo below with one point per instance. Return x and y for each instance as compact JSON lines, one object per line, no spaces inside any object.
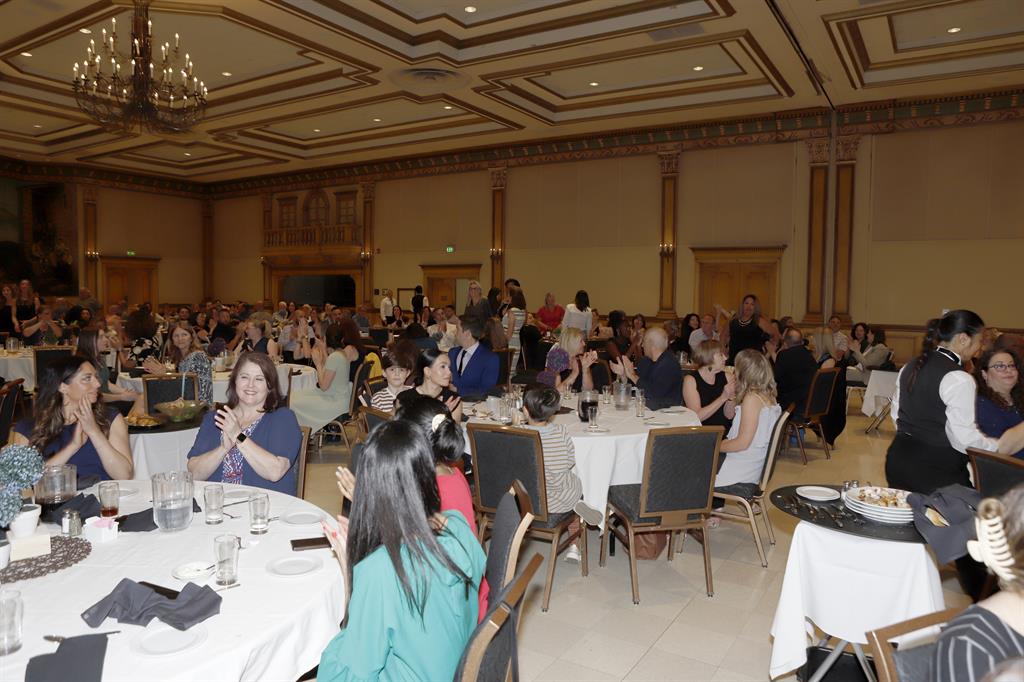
{"x":415,"y":571}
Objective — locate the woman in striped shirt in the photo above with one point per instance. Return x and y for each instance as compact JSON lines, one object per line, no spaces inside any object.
{"x":991,"y":631}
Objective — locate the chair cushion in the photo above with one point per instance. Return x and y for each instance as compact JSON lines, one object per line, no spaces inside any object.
{"x":747,"y":491}
{"x":554,"y":518}
{"x":626,"y":498}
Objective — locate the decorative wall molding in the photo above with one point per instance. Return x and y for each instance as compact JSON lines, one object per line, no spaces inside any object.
{"x":499,"y":177}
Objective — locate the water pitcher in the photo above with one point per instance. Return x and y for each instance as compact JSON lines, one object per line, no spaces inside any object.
{"x":172,"y":500}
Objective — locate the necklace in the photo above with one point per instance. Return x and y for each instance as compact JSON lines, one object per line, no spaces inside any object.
{"x":744,"y":324}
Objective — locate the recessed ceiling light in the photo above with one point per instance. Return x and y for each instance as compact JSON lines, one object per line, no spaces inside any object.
{"x":227,"y":74}
{"x":316,"y":130}
{"x":469,"y":8}
{"x":953,"y":29}
{"x":37,"y":126}
{"x":85,"y":31}
{"x":376,"y":120}
{"x":448,"y":107}
{"x":698,"y":68}
{"x":594,"y":84}
{"x":26,"y":54}
{"x":188,"y":154}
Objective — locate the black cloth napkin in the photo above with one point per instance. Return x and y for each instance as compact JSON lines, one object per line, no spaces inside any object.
{"x":77,"y":658}
{"x":958,"y":505}
{"x":87,"y":505}
{"x":137,"y":604}
{"x":142,"y":521}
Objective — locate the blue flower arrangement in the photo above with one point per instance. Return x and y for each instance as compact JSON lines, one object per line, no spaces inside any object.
{"x":20,"y":467}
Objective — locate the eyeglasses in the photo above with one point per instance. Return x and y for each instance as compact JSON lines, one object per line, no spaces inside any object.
{"x":1002,"y":366}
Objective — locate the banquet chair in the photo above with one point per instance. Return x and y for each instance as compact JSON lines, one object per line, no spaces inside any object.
{"x":601,"y":373}
{"x":994,"y":474}
{"x":491,"y":651}
{"x":372,"y":418}
{"x":164,"y":388}
{"x":511,"y":522}
{"x":379,"y":336}
{"x":899,"y":664}
{"x":9,"y":396}
{"x":44,"y":355}
{"x":819,"y":401}
{"x":292,"y":373}
{"x":300,"y":465}
{"x":371,"y":386}
{"x":352,"y":415}
{"x":750,"y":496}
{"x":502,"y":455}
{"x":675,"y":495}
{"x":504,"y":365}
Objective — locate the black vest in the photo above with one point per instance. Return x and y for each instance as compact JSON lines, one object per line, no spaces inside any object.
{"x":922,"y":412}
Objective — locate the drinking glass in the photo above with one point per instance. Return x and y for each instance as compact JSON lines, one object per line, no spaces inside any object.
{"x":639,"y":402}
{"x":11,"y":611}
{"x":225,"y":549}
{"x":606,"y":395}
{"x":109,"y":493}
{"x":213,"y":495}
{"x":592,"y":417}
{"x":505,"y":411}
{"x":259,"y":513}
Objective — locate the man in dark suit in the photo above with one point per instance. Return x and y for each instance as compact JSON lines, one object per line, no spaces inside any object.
{"x":475,"y":367}
{"x":794,"y":371}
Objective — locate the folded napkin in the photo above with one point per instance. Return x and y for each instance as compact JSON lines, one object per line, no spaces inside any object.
{"x":142,"y":521}
{"x":136,"y":604}
{"x":87,"y":481}
{"x":956,"y":504}
{"x":77,"y":658}
{"x":86,"y":505}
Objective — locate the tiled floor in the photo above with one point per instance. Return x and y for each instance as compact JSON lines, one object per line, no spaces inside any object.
{"x":593,"y":631}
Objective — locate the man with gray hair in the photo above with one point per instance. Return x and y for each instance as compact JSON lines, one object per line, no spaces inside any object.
{"x":794,"y":371}
{"x":658,"y":373}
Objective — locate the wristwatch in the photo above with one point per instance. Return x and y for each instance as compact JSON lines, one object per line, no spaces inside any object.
{"x":241,"y":438}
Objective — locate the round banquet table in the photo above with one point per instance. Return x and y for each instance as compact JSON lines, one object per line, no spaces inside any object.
{"x":269,"y":627}
{"x":616,"y":456}
{"x":220,"y":381}
{"x":163,"y":448}
{"x":19,"y":365}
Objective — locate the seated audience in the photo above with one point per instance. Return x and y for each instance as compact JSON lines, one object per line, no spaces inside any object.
{"x":474,"y":367}
{"x":143,"y":339}
{"x":295,"y":338}
{"x":414,"y":571}
{"x":222,"y":328}
{"x":434,"y":379}
{"x":43,"y":330}
{"x":315,"y":407}
{"x":975,"y":642}
{"x":621,"y":341}
{"x":253,"y":439}
{"x":397,"y":369}
{"x":746,"y":444}
{"x":1000,"y":402}
{"x":362,"y":319}
{"x":92,"y":344}
{"x":281,"y":315}
{"x":859,"y":337}
{"x":418,"y":335}
{"x":577,"y":314}
{"x":874,"y":355}
{"x":706,"y":331}
{"x":549,"y":316}
{"x":257,"y":338}
{"x":70,"y":425}
{"x":710,"y":390}
{"x":794,"y":371}
{"x":568,"y":362}
{"x":184,"y":351}
{"x":658,"y":372}
{"x":398,"y":323}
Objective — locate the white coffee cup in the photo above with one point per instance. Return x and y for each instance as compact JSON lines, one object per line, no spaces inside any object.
{"x":24,"y":524}
{"x":5,"y":554}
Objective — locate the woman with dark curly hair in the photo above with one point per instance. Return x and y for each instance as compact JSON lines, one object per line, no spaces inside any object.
{"x":70,"y":425}
{"x":1000,"y":403}
{"x":144,"y":340}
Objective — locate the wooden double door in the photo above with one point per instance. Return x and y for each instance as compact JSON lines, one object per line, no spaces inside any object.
{"x":131,"y":278}
{"x":725,"y":276}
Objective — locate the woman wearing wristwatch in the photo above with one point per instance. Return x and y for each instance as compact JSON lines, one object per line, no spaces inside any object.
{"x":254,"y":439}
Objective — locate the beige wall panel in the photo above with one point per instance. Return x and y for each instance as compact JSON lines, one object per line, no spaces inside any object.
{"x":394,"y":269}
{"x":237,"y":241}
{"x":155,"y":225}
{"x":425,"y":214}
{"x":862,"y":201}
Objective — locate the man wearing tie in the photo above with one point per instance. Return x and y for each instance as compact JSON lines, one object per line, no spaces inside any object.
{"x":474,"y":367}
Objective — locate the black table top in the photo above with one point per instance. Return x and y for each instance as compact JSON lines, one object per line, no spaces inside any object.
{"x":168,"y":426}
{"x":786,"y":499}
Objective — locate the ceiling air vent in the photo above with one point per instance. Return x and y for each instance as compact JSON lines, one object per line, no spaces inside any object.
{"x":428,"y":80}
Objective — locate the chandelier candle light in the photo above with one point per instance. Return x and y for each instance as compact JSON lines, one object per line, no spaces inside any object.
{"x":128,"y":91}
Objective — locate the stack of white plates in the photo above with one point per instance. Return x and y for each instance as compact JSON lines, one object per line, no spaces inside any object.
{"x":872,"y":507}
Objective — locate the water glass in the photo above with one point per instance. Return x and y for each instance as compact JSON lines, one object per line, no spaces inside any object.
{"x":213,"y":496}
{"x":11,"y":612}
{"x":259,"y":513}
{"x":225,"y":549}
{"x":109,"y":494}
{"x":606,"y":394}
{"x":640,"y":402}
{"x":505,"y":411}
{"x":592,"y":412}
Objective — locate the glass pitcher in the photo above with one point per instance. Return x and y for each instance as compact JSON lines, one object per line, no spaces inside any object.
{"x":57,"y":485}
{"x":172,"y":500}
{"x":585,"y":400}
{"x":621,"y":394}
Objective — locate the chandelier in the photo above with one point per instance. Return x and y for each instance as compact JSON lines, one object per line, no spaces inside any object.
{"x":131,"y":89}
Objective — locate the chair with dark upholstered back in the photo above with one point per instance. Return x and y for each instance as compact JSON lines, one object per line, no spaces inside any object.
{"x":675,"y":495}
{"x":292,"y":373}
{"x":995,"y":474}
{"x":502,"y":455}
{"x":912,"y":664}
{"x":10,"y":394}
{"x":491,"y":649}
{"x":601,"y":373}
{"x":819,"y":401}
{"x":372,"y":417}
{"x":165,"y":388}
{"x":379,"y":336}
{"x":507,"y":533}
{"x":44,"y":355}
{"x":369,"y":387}
{"x":504,"y":365}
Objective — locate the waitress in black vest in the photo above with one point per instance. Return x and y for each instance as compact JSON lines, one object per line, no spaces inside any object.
{"x":934,"y":410}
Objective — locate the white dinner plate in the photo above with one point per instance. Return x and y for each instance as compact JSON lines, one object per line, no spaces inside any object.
{"x":127,"y":492}
{"x":294,"y":566}
{"x":160,"y":639}
{"x":677,"y":409}
{"x":817,"y":493}
{"x":655,"y":423}
{"x":302,"y":518}
{"x":237,"y":494}
{"x":193,"y":570}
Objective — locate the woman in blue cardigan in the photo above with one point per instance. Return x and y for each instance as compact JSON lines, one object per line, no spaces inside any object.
{"x":254,"y":439}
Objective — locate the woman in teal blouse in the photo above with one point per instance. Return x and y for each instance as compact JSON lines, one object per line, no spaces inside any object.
{"x":416,"y":571}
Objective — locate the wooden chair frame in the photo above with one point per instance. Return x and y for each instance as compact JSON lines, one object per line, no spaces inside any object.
{"x":300,"y":474}
{"x":882,"y":650}
{"x":973,"y":454}
{"x":364,"y":426}
{"x":526,"y":512}
{"x":292,"y":373}
{"x":371,"y":386}
{"x":176,"y":376}
{"x":672,"y":522}
{"x":554,"y":535}
{"x":814,"y":420}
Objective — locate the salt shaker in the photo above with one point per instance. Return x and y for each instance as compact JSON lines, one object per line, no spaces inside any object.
{"x":71,"y":523}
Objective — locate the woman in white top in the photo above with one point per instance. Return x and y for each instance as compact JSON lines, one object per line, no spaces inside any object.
{"x":515,"y":317}
{"x":387,"y":306}
{"x":746,"y":445}
{"x":578,"y":315}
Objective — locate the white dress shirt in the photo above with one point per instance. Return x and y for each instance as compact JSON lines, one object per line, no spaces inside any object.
{"x":697,"y":337}
{"x":462,"y":361}
{"x":958,"y":391}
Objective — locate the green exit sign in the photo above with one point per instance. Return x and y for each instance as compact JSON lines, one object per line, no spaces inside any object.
{"x":449,"y":249}
{"x":130,"y":253}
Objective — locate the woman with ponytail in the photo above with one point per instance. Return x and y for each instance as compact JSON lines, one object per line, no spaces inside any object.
{"x":934,"y":410}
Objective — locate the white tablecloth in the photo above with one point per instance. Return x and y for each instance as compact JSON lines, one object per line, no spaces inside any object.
{"x":220,"y":381}
{"x":881,"y":385}
{"x":20,"y":366}
{"x":847,"y":585}
{"x":615,"y":457}
{"x":154,"y":453}
{"x":269,"y":628}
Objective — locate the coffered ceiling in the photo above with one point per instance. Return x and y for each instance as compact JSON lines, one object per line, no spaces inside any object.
{"x":302,"y":84}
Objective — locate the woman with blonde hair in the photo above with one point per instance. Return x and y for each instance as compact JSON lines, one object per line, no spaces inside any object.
{"x":746,"y":444}
{"x":710,"y":390}
{"x":567,"y":363}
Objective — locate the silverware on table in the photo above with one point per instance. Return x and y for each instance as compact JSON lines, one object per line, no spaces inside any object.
{"x":231,"y":504}
{"x":228,"y":587}
{"x":61,"y":638}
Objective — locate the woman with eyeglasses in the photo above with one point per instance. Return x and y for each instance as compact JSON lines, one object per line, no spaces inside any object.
{"x":1000,"y":403}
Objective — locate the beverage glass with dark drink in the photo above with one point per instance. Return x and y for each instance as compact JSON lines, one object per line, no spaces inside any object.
{"x":110,"y":494}
{"x":587,"y":399}
{"x":57,"y":485}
